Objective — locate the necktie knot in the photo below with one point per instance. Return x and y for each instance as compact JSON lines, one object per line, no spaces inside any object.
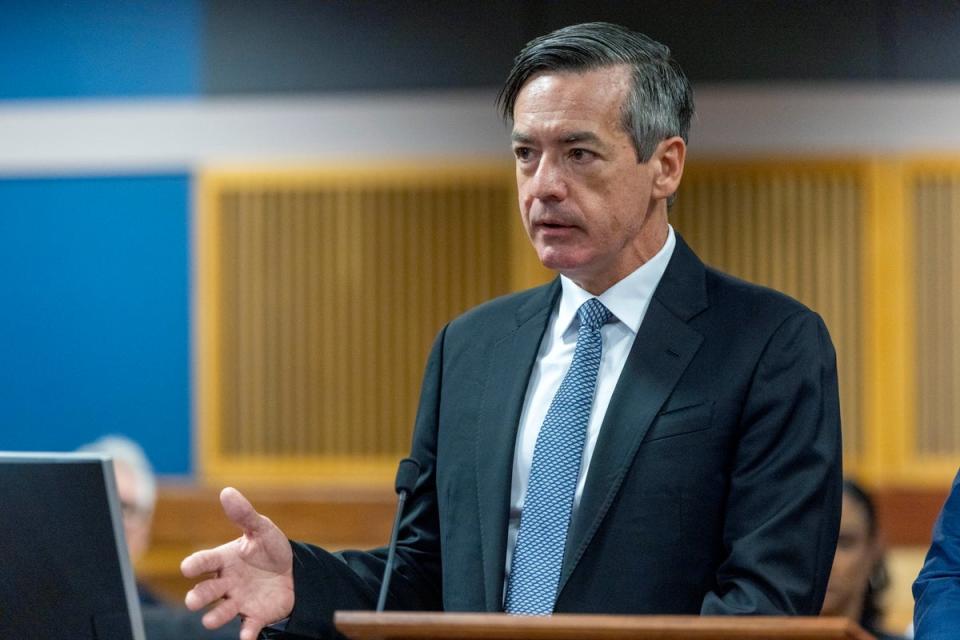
{"x":593,"y":314}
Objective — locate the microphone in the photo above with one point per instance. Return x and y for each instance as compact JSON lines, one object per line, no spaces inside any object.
{"x":407,"y":474}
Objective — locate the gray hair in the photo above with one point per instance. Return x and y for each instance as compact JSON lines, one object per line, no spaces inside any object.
{"x":660,"y":102}
{"x":126,"y":451}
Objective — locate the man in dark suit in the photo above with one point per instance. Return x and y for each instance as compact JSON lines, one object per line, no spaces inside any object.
{"x":937,"y":588}
{"x":642,"y":435}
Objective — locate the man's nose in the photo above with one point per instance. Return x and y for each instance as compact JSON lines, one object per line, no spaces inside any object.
{"x":549,"y":182}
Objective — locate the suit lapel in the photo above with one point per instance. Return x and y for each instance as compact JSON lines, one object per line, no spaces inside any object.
{"x":510,"y":363}
{"x":663,"y":348}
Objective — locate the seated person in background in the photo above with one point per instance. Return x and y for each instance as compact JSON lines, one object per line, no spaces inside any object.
{"x":937,"y":589}
{"x":137,"y":490}
{"x":859,"y":574}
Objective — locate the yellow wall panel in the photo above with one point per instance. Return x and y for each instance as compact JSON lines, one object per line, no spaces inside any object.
{"x":934,"y":205}
{"x":323,"y":291}
{"x":796,"y":227}
{"x":319,"y":291}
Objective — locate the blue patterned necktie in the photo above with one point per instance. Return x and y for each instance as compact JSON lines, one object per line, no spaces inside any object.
{"x":538,"y":555}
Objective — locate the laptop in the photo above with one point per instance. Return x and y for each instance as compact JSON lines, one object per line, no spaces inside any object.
{"x":64,"y":567}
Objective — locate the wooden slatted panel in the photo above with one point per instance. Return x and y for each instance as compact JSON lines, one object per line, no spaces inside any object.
{"x":936,"y":202}
{"x":796,"y":228}
{"x":327,"y":291}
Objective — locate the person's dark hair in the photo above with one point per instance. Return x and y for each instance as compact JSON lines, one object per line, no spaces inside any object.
{"x":660,"y":102}
{"x":879,"y":577}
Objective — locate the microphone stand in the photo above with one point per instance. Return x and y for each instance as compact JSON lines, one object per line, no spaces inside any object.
{"x":407,"y":474}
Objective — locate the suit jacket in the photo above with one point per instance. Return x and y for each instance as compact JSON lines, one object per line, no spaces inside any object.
{"x":714,"y":488}
{"x":937,"y":588}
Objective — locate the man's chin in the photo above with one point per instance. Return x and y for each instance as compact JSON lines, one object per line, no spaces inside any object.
{"x":565,"y":267}
{"x":560,"y":259}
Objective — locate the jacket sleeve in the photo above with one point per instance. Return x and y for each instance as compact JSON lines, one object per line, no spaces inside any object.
{"x":783,"y":505}
{"x":325,"y":582}
{"x":936,"y":591}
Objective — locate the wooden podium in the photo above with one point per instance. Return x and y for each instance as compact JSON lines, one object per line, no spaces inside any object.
{"x":392,"y":625}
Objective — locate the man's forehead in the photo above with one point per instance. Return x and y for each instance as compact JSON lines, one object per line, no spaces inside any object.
{"x":569,"y":123}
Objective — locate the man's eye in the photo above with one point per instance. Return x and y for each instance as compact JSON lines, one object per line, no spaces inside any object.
{"x":581,"y":155}
{"x":522,"y":153}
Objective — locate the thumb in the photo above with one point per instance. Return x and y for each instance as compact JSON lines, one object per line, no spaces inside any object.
{"x":241,"y":512}
{"x":250,"y":629}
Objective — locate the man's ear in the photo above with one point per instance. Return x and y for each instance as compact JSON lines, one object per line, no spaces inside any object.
{"x":667,"y":161}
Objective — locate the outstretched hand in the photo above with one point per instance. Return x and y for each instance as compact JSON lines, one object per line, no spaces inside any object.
{"x":252,"y":575}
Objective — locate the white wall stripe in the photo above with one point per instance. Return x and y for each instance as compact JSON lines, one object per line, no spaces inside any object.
{"x":92,"y":136}
{"x":828,"y":119}
{"x":135,"y":136}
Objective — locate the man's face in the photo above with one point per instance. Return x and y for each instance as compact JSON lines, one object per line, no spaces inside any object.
{"x":586,"y":203}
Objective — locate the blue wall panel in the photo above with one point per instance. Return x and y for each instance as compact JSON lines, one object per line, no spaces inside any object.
{"x":108,"y":48}
{"x":94,"y":314}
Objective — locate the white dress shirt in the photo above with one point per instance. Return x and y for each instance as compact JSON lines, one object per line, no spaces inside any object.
{"x":627,"y":300}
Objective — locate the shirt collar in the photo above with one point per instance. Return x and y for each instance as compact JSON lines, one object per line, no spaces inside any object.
{"x":627,"y":300}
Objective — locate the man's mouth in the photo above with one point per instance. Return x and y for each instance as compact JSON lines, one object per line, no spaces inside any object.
{"x":553,"y":223}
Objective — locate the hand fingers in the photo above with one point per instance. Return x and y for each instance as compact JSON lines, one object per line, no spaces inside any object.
{"x":220,"y":614}
{"x":241,"y":512}
{"x":206,"y":592}
{"x":201,"y":562}
{"x":250,"y":628}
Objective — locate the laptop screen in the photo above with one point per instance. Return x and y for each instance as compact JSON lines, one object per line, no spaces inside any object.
{"x":64,"y":567}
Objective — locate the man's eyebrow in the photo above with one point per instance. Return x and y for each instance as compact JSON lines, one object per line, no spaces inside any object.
{"x":570,"y":138}
{"x":582,"y":136}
